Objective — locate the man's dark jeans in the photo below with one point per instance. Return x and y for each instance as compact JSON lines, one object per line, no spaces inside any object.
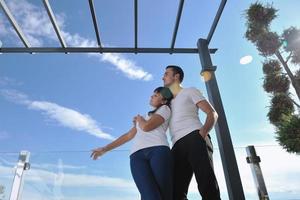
{"x":191,"y":155}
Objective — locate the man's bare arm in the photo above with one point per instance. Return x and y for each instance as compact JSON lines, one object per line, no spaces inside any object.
{"x":211,"y":117}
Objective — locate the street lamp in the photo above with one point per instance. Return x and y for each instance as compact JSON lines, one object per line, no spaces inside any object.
{"x":206,"y":72}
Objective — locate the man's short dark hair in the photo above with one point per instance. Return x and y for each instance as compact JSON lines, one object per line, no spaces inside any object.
{"x":177,"y":70}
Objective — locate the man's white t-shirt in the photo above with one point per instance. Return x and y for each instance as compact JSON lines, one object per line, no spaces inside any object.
{"x":185,"y":118}
{"x":155,"y":137}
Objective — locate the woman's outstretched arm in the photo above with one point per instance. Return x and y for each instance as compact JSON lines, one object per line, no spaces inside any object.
{"x":116,"y":143}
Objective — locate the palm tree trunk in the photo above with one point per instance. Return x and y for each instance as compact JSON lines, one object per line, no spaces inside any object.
{"x":289,"y":73}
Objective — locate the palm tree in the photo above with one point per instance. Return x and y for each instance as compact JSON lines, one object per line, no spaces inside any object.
{"x":280,"y":52}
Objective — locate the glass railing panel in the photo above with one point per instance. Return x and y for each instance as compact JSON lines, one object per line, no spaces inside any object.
{"x":8,"y":162}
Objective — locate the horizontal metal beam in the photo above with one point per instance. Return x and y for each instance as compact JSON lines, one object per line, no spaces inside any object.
{"x":93,"y":12}
{"x":14,"y":23}
{"x":99,"y":50}
{"x":216,"y":20}
{"x":54,"y":23}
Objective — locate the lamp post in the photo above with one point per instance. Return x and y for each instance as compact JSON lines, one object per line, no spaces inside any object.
{"x":230,"y":168}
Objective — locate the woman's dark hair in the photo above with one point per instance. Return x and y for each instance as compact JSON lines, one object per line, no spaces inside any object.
{"x":166,"y":94}
{"x":177,"y":70}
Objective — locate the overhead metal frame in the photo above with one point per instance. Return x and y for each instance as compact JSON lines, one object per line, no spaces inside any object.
{"x":230,"y":168}
{"x":93,"y":13}
{"x":54,"y":23}
{"x":100,"y":49}
{"x":178,"y":17}
{"x":14,"y":23}
{"x":216,"y":20}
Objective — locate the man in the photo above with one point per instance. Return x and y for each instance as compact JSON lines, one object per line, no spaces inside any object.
{"x":192,"y":148}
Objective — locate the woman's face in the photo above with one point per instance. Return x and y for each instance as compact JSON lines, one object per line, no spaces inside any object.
{"x":156,"y":100}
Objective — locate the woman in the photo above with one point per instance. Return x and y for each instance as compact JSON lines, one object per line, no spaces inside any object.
{"x":150,"y":159}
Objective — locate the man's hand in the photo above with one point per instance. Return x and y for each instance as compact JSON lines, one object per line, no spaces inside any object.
{"x":203,"y":133}
{"x":211,"y":117}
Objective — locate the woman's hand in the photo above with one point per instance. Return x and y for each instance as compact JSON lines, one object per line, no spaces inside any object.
{"x":134,"y":121}
{"x":139,"y":118}
{"x":97,"y":152}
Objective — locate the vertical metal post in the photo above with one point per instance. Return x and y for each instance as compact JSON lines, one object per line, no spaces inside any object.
{"x":254,"y":161}
{"x":23,"y":164}
{"x":230,"y":168}
{"x":135,"y":24}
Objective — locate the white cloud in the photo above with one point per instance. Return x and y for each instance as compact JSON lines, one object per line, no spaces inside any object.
{"x":34,"y":21}
{"x":116,"y":195}
{"x":15,"y":96}
{"x":46,"y":184}
{"x":281,"y":172}
{"x":127,"y":66}
{"x":3,"y":25}
{"x":246,"y":60}
{"x":278,"y":167}
{"x":260,"y":128}
{"x":77,"y":41}
{"x":33,"y":195}
{"x":64,"y":116}
{"x":42,"y":173}
{"x":70,"y":179}
{"x":37,"y":27}
{"x":78,"y":180}
{"x":47,"y":166}
{"x":6,"y":81}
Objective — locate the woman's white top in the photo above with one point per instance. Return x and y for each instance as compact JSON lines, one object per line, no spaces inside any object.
{"x":155,"y":137}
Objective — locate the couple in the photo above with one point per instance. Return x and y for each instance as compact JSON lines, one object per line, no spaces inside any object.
{"x":158,"y":172}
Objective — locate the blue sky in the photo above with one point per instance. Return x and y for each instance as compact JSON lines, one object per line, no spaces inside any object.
{"x":75,"y":102}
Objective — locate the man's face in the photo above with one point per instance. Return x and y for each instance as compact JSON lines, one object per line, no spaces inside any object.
{"x":169,"y":77}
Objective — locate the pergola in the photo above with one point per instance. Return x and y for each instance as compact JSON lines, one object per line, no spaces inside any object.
{"x":230,"y":168}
